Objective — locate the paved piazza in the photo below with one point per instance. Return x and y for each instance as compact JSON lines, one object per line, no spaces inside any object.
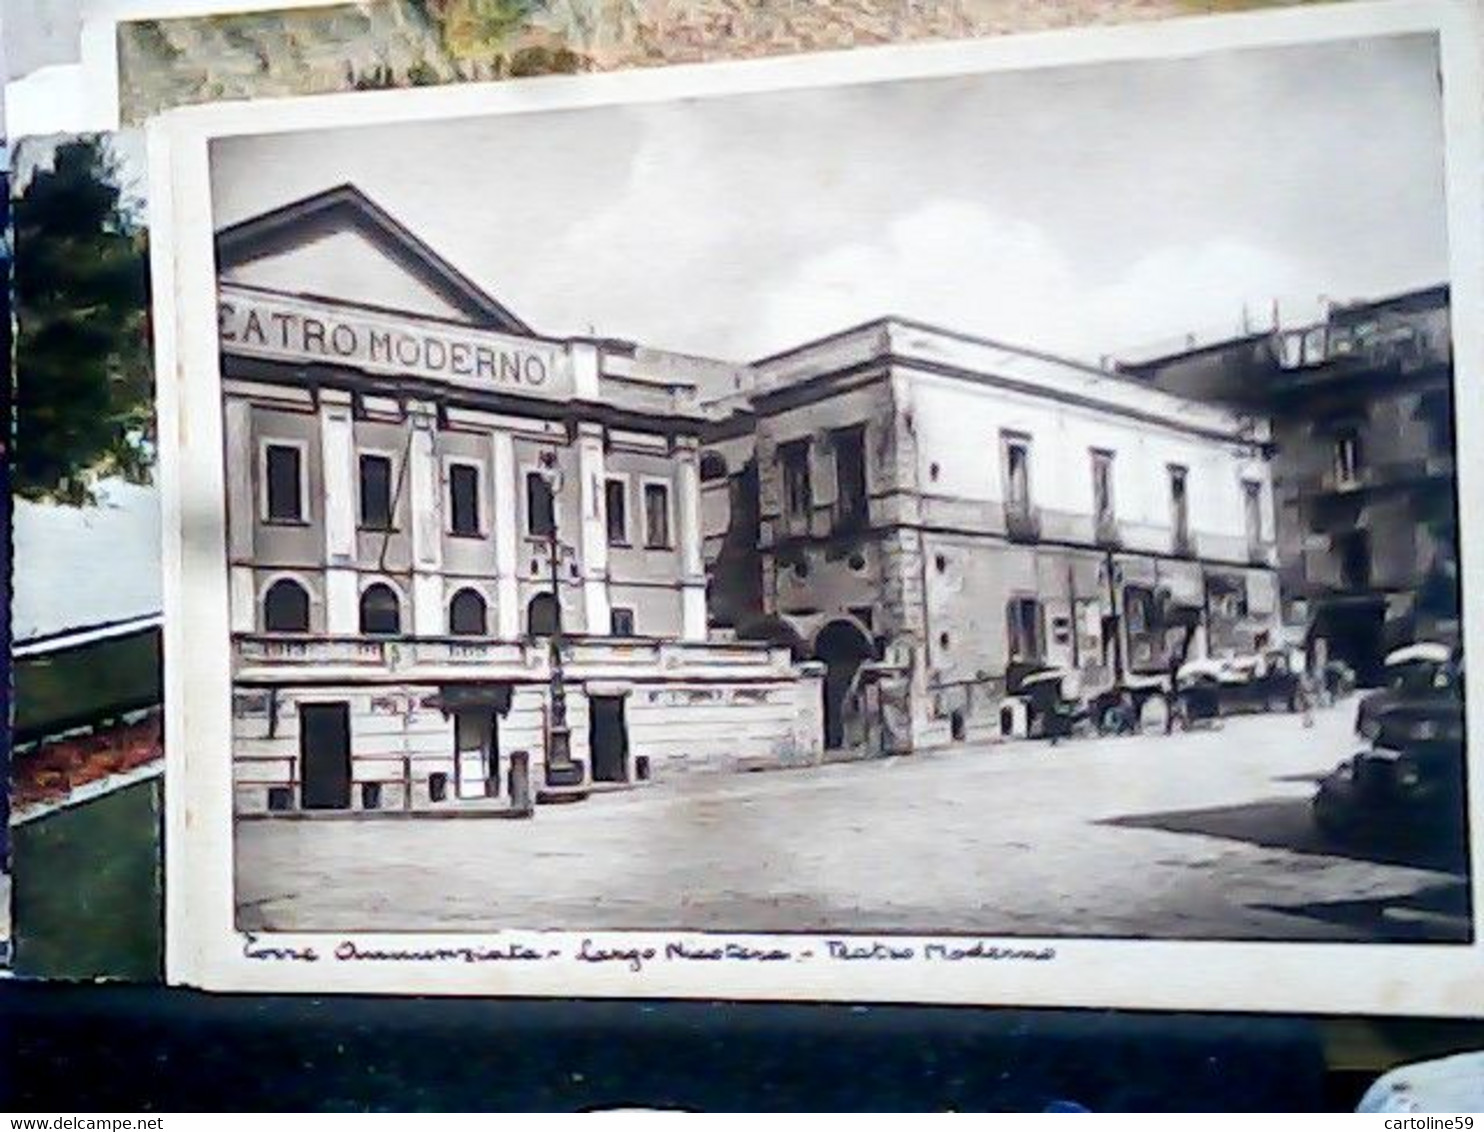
{"x":1199,"y":835}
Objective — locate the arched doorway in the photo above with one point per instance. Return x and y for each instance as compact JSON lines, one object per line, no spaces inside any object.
{"x":843,"y":647}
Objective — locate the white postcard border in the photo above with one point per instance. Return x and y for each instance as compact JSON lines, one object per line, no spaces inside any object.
{"x":205,"y":949}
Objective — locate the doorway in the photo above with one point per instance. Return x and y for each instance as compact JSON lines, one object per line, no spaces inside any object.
{"x":324,"y":756}
{"x":843,"y":648}
{"x":608,"y":738}
{"x":476,"y":740}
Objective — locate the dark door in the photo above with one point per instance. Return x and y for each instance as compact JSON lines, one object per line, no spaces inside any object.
{"x":324,"y":756}
{"x":492,"y":752}
{"x":608,"y":738}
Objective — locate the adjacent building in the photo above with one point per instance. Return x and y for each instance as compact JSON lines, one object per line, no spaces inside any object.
{"x":933,"y":515}
{"x":1361,"y":405}
{"x":448,"y":536}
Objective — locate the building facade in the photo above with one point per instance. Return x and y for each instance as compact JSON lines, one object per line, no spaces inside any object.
{"x":448,"y":536}
{"x":935,"y":515}
{"x":1363,"y":467}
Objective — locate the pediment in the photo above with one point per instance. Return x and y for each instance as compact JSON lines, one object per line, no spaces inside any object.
{"x":340,"y":245}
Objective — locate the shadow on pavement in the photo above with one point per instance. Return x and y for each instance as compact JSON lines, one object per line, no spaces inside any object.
{"x":1436,"y":914}
{"x":1286,"y":823}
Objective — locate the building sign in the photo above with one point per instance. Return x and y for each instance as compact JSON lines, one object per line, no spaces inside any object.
{"x":281,"y":328}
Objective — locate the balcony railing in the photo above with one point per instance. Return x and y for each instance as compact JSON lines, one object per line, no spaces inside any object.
{"x":291,"y":649}
{"x":523,"y":659}
{"x":1022,"y":523}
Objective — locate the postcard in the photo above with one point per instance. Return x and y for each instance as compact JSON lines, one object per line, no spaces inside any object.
{"x":976,"y":522}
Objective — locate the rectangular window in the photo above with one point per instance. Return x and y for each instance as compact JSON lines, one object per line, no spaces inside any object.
{"x":656,"y":516}
{"x":850,"y":478}
{"x":798,"y":490}
{"x":1017,"y":453}
{"x":1027,"y":643}
{"x":1102,"y":488}
{"x":285,"y":484}
{"x":621,"y":622}
{"x":616,"y":511}
{"x":1347,"y":457}
{"x":1252,"y":512}
{"x":376,"y":492}
{"x":463,"y":499}
{"x":1180,"y":508}
{"x":540,"y":507}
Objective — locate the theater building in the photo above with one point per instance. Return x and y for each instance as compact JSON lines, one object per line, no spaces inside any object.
{"x":422,"y":494}
{"x":932,"y":515}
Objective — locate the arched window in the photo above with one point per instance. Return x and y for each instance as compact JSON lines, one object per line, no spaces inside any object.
{"x":466,"y":614}
{"x":286,"y":607}
{"x":542,"y":616}
{"x":381,"y":612}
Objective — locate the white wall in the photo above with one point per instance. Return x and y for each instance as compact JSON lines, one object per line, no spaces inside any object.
{"x":959,"y":425}
{"x":702,"y":726}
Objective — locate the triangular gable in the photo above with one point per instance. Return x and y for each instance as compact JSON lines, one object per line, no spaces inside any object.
{"x":339,"y":244}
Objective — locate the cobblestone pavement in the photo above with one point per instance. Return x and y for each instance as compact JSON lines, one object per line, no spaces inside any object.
{"x":1199,"y":835}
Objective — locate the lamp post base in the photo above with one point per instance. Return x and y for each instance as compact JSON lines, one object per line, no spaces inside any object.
{"x":562,"y":770}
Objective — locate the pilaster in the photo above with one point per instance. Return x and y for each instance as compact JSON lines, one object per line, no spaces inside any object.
{"x":338,"y":465}
{"x":504,"y":488}
{"x":244,"y":600}
{"x":593,"y":533}
{"x":426,"y":498}
{"x":586,"y":370}
{"x":692,"y":564}
{"x":242,"y":508}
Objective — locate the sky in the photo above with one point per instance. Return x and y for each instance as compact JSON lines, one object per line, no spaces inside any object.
{"x":1089,"y":211}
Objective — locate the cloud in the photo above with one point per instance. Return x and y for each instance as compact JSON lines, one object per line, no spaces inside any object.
{"x":956,"y":264}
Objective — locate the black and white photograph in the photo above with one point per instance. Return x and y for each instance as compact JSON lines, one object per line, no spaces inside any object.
{"x":1003,"y":502}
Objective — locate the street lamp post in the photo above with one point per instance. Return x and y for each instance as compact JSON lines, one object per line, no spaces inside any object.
{"x":561,"y":769}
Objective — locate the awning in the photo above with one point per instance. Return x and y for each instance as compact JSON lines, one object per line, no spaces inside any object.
{"x":457,"y":697}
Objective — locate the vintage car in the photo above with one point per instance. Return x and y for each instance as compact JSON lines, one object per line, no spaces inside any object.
{"x":1410,"y":672}
{"x":1266,"y":682}
{"x":1409,"y":786}
{"x":1388,"y":797}
{"x":1058,"y":706}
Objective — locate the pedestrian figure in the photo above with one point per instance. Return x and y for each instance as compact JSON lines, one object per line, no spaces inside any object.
{"x":1173,"y":707}
{"x":1307,"y":693}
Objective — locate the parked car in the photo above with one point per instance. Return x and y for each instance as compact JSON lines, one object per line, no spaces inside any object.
{"x":1054,"y":707}
{"x":1058,"y":707}
{"x":1265,"y":682}
{"x":1391,"y":797}
{"x":1409,"y":786}
{"x":1410,"y":672}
